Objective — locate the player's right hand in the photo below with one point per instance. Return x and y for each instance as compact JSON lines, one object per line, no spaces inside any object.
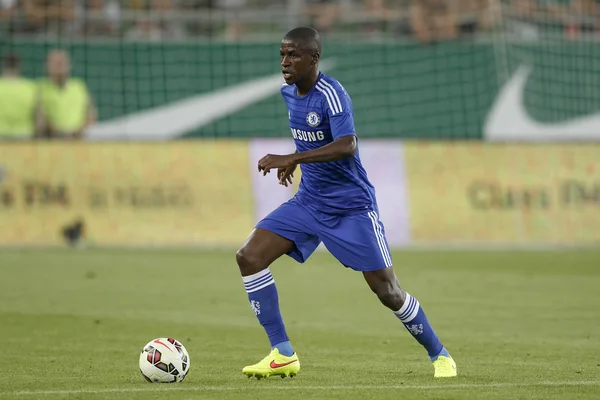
{"x":285,"y":175}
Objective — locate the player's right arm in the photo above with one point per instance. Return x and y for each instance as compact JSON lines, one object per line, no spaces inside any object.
{"x":339,"y":149}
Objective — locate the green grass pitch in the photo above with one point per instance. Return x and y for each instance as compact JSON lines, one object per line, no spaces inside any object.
{"x":521,"y":325}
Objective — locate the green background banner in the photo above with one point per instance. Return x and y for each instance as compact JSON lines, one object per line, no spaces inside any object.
{"x":442,"y":91}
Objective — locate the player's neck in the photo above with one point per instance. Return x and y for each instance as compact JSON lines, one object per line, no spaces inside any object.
{"x":305,"y":85}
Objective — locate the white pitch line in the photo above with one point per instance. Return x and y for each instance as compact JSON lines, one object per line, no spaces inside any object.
{"x":166,"y":388}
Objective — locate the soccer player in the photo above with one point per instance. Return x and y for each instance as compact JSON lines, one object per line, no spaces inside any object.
{"x":335,"y":204}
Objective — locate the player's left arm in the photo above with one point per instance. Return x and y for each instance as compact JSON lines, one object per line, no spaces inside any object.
{"x":286,"y":174}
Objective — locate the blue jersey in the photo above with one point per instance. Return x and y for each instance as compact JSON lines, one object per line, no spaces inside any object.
{"x":316,"y":119}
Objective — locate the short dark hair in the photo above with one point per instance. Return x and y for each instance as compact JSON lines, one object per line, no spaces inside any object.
{"x":11,"y":61}
{"x":307,"y":36}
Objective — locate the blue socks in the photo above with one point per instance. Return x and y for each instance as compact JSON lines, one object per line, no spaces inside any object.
{"x":414,"y":319}
{"x":264,"y":301}
{"x":284,"y":348}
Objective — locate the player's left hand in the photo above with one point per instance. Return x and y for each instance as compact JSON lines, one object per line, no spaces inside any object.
{"x":285,"y":175}
{"x":274,"y":161}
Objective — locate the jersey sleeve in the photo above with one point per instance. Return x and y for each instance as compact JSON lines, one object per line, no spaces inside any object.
{"x":338,"y":106}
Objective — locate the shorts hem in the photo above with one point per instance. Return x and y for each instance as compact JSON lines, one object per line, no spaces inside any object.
{"x":361,"y":269}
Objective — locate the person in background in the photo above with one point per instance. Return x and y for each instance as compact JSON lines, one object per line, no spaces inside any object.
{"x":377,"y":9}
{"x":99,"y":17}
{"x":235,"y":28}
{"x":477,"y":15}
{"x":49,"y":16}
{"x":434,"y":20}
{"x":67,"y":106}
{"x":158,"y":24}
{"x":8,"y":12}
{"x":323,"y":13}
{"x":170,"y":27}
{"x":18,"y":102}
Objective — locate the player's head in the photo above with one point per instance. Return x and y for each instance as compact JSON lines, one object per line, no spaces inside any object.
{"x":10,"y":64}
{"x":58,"y":66}
{"x":300,"y":52}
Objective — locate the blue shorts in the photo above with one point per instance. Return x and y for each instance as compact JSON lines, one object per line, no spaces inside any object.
{"x":356,"y":240}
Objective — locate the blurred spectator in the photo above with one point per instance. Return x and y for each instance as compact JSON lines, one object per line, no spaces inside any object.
{"x":144,"y":29}
{"x":235,"y":28}
{"x":434,"y":20}
{"x":377,"y":9}
{"x":18,"y":102}
{"x":43,"y":16}
{"x":323,"y":14}
{"x":476,"y":15}
{"x":574,"y":16}
{"x":67,"y":107}
{"x":197,"y":26}
{"x":588,"y":11}
{"x":169,"y":26}
{"x":536,"y":9}
{"x":556,"y":7}
{"x":8,"y":9}
{"x":444,"y":20}
{"x":99,"y":17}
{"x":589,"y":7}
{"x":135,"y":4}
{"x":158,"y":24}
{"x":523,"y":8}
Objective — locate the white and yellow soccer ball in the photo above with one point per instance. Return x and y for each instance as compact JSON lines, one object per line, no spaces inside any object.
{"x":164,"y":360}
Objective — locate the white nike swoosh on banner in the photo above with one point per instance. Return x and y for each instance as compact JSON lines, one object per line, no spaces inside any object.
{"x":177,"y":118}
{"x":508,"y":119}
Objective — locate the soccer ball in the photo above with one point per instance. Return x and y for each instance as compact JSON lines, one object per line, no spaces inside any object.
{"x":164,"y":360}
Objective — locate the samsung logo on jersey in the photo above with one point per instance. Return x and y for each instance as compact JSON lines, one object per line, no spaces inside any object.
{"x":307,"y":136}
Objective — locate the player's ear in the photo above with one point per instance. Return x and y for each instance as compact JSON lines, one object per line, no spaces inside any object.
{"x":315,"y":58}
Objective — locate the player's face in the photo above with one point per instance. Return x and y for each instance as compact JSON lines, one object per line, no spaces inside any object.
{"x":296,"y":62}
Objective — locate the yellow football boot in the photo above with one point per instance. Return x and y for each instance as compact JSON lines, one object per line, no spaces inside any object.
{"x":445,"y":367}
{"x":274,"y":364}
